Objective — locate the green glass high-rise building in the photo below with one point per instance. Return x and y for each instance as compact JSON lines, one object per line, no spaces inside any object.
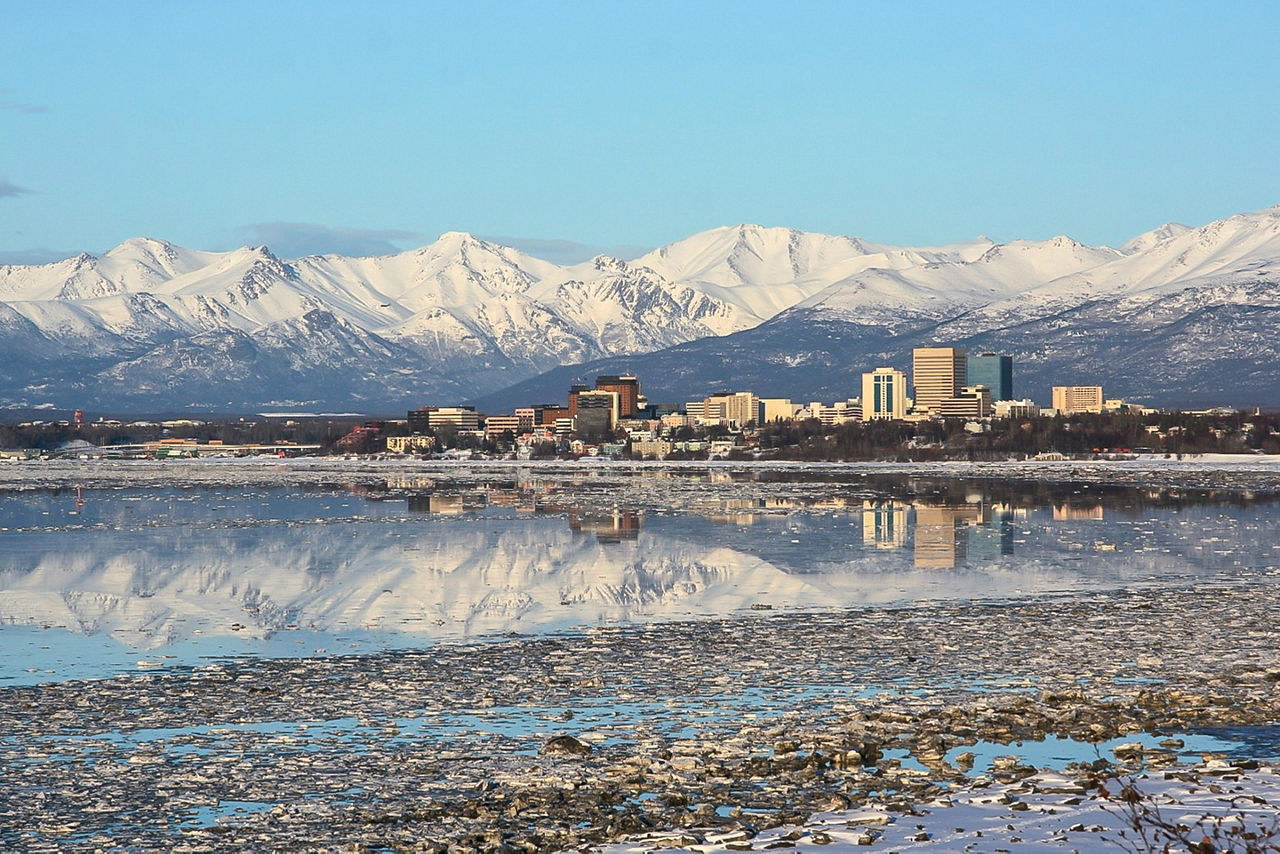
{"x":994,"y":372}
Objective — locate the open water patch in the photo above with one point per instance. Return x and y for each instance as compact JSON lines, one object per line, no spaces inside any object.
{"x":208,"y":816}
{"x":1053,"y":752}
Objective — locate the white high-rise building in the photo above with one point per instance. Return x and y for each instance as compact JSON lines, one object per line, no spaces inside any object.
{"x":737,"y":408}
{"x":884,"y":394}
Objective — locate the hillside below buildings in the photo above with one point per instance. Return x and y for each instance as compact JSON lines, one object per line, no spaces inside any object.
{"x":1177,"y":316}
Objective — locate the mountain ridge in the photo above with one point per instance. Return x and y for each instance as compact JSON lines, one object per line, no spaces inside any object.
{"x":466,"y":317}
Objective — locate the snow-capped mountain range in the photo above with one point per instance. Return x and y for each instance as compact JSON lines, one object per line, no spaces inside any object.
{"x":149,"y":325}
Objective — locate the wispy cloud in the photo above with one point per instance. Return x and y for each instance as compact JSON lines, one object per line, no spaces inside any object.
{"x":8,"y":190}
{"x":9,"y":102}
{"x":566,"y":251}
{"x":24,"y":257}
{"x":295,"y":239}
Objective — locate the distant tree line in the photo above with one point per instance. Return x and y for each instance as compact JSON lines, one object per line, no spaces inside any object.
{"x":1174,"y":433}
{"x":1165,"y":433}
{"x":50,"y":436}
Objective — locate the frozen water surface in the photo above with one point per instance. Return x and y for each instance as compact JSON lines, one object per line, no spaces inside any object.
{"x":272,"y":655}
{"x":104,"y":579}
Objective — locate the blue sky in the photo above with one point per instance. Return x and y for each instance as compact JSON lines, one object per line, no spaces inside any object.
{"x":326,"y":127}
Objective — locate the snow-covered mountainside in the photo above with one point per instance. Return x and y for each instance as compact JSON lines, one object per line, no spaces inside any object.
{"x":150,"y":325}
{"x":1177,"y":316}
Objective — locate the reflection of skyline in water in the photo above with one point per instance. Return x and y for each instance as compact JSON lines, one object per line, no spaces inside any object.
{"x":940,"y":536}
{"x":609,"y":523}
{"x":423,"y":558}
{"x":946,"y":536}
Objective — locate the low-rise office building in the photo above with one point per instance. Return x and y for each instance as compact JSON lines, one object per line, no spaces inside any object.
{"x":411,"y":444}
{"x":496,"y":425}
{"x":1025,"y":408}
{"x":777,"y":409}
{"x":973,"y":401}
{"x":458,"y":417}
{"x":840,"y":412}
{"x":1070,"y":399}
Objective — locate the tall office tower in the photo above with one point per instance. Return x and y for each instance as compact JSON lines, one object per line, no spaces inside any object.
{"x":597,"y":413}
{"x":884,"y":394}
{"x":627,"y":388}
{"x":938,"y":373}
{"x":994,"y":372}
{"x":575,"y":390}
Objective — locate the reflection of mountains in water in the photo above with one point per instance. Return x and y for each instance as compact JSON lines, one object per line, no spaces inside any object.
{"x":492,"y":576}
{"x":532,"y":557}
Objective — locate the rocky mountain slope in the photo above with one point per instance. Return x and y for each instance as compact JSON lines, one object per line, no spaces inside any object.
{"x":1177,"y":315}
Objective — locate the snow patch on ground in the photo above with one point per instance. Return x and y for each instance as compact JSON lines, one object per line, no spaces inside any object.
{"x":1049,"y":812}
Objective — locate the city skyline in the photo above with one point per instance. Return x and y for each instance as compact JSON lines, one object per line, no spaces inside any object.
{"x":945,"y":382}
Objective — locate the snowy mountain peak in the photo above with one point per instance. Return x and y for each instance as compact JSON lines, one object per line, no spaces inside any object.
{"x":465,"y":316}
{"x":467,"y":249}
{"x":143,"y":246}
{"x":263,"y":253}
{"x":608,"y":264}
{"x":464,"y":241}
{"x":1147,"y":240}
{"x":458,"y":237}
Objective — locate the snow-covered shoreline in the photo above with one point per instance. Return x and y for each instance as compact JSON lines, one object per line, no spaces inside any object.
{"x":1046,"y":812}
{"x":729,"y":733}
{"x":1226,"y":471}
